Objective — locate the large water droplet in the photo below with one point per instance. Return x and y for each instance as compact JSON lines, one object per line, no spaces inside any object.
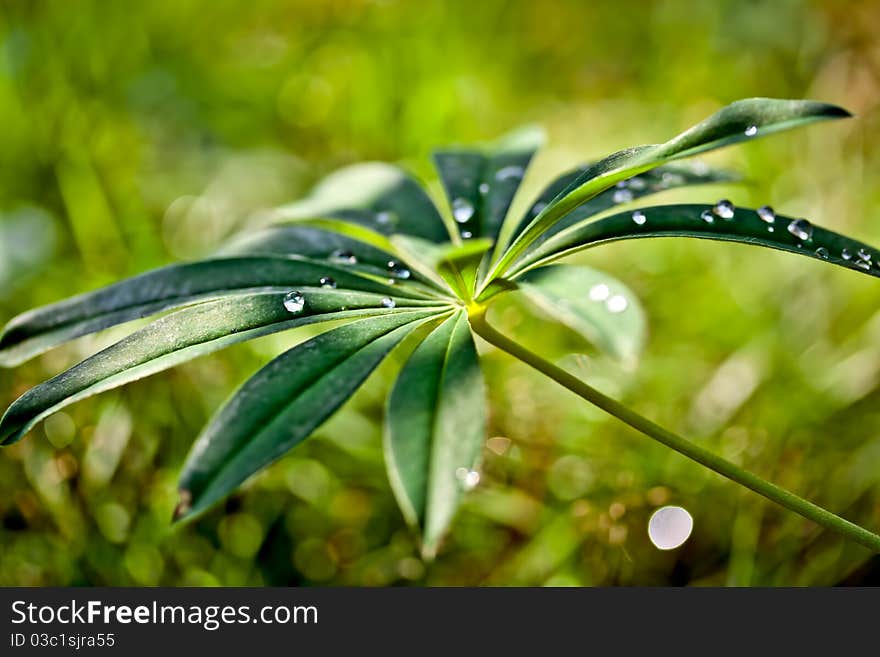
{"x":707,"y":216}
{"x":846,"y":254}
{"x":345,"y":257}
{"x":822,"y":252}
{"x":294,"y":302}
{"x":387,"y":302}
{"x":751,"y":131}
{"x":616,"y":304}
{"x":506,"y":173}
{"x":864,"y":255}
{"x":801,"y":228}
{"x":724,"y":209}
{"x":397,"y":270}
{"x":484,"y":188}
{"x":327,"y":281}
{"x":622,"y":196}
{"x":462,"y":210}
{"x":669,"y":527}
{"x":766,"y":214}
{"x":466,"y":234}
{"x":639,"y":217}
{"x":599,"y":292}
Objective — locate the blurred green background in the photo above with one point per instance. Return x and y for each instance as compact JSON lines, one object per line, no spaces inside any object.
{"x":138,"y":133}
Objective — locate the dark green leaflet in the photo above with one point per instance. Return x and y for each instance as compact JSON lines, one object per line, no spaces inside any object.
{"x":480,"y":184}
{"x":739,"y":121}
{"x":179,"y":337}
{"x":284,"y":402}
{"x":375,"y":195}
{"x":176,"y":285}
{"x":650,"y":182}
{"x":436,"y":427}
{"x":688,"y":221}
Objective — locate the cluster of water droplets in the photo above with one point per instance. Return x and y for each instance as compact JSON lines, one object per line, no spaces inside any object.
{"x":397,"y":272}
{"x":614,"y":303}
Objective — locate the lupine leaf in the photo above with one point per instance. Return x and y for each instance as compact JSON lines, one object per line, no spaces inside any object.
{"x":480,"y":183}
{"x":435,"y":428}
{"x":378,"y":196}
{"x":176,"y":285}
{"x":746,"y":226}
{"x":284,"y":402}
{"x":179,"y":337}
{"x":597,"y":306}
{"x":739,"y":121}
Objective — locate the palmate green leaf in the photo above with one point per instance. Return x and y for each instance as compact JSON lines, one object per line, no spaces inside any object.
{"x":176,"y":285}
{"x":435,"y":428}
{"x":745,"y":226}
{"x":597,"y":306}
{"x":739,"y":121}
{"x":182,"y":336}
{"x":284,"y":402}
{"x":480,"y":183}
{"x":377,"y":196}
{"x":657,"y":180}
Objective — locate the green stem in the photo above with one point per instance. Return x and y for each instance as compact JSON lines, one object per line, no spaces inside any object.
{"x":694,"y":452}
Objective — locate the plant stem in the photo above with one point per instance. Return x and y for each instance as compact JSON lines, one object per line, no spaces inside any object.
{"x":681,"y":445}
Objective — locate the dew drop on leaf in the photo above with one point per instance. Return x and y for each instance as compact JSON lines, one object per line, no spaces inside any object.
{"x":846,"y":254}
{"x":639,"y":217}
{"x":766,"y":214}
{"x":386,"y":218}
{"x":484,"y":188}
{"x":707,"y":216}
{"x":822,"y":252}
{"x":636,"y":183}
{"x":801,"y":228}
{"x":616,"y":304}
{"x":599,"y":292}
{"x":724,"y":209}
{"x":751,"y":131}
{"x":346,"y":257}
{"x":327,"y":281}
{"x":387,"y":302}
{"x":864,"y":255}
{"x":466,"y":234}
{"x":622,"y":196}
{"x":294,"y":302}
{"x":468,"y":478}
{"x":397,"y":270}
{"x":506,"y":173}
{"x":462,"y":210}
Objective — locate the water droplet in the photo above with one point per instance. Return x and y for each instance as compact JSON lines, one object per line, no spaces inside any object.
{"x":468,"y":478}
{"x":327,"y":281}
{"x":616,"y":304}
{"x":669,"y":527}
{"x":462,"y":210}
{"x":636,"y":183}
{"x":770,"y":229}
{"x":846,"y":254}
{"x":484,"y":188}
{"x":670,"y":179}
{"x":822,"y":252}
{"x":387,"y":302}
{"x":863,"y":264}
{"x":801,"y":228}
{"x":620,"y":184}
{"x":343,"y":256}
{"x":707,"y":216}
{"x":466,"y":234}
{"x":386,"y":218}
{"x":622,"y":196}
{"x":766,"y":214}
{"x":751,"y":131}
{"x":599,"y":292}
{"x":639,"y":217}
{"x":864,"y":255}
{"x":397,"y":270}
{"x":506,"y":173}
{"x":294,"y":302}
{"x":724,"y":209}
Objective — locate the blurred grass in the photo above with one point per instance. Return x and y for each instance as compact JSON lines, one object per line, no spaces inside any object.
{"x":135,"y":134}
